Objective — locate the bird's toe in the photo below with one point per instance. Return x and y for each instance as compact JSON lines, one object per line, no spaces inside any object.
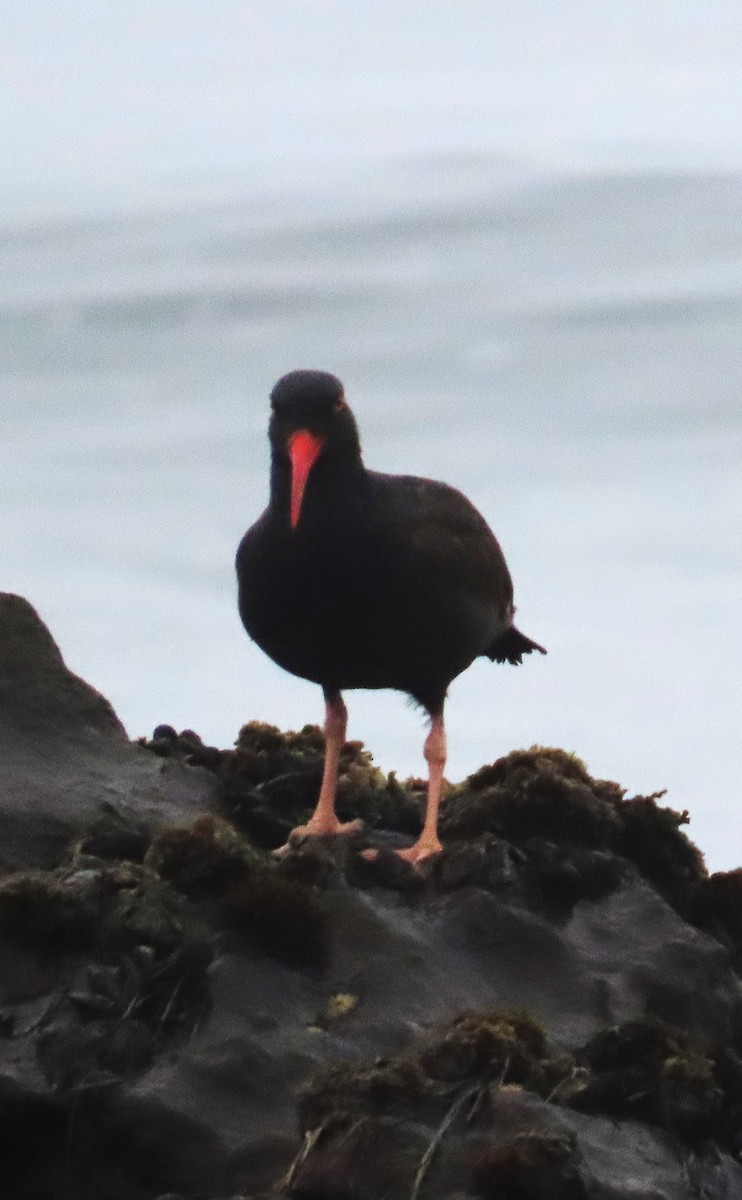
{"x":414,"y":855}
{"x":320,"y":829}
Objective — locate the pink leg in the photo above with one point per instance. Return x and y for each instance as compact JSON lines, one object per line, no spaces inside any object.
{"x":428,"y":844}
{"x":324,"y":820}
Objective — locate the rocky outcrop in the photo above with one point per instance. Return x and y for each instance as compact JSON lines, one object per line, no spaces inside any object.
{"x":66,"y":764}
{"x":550,"y":1009}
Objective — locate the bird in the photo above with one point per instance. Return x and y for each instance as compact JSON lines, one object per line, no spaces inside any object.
{"x":356,"y":579}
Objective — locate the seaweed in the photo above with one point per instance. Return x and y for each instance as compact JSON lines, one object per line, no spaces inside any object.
{"x":718,"y":909}
{"x":270,"y":783}
{"x":643,"y":1069}
{"x":88,"y":904}
{"x":545,"y":802}
{"x":48,"y":910}
{"x":652,"y":838}
{"x":386,"y":1085}
{"x":476,"y":1044}
{"x":380,"y":800}
{"x":539,"y":792}
{"x":203,"y":858}
{"x":476,"y":1049}
{"x":533,"y":826}
{"x":652,"y":1072}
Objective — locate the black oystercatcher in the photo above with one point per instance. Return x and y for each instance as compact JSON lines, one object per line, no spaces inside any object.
{"x":355,"y":579}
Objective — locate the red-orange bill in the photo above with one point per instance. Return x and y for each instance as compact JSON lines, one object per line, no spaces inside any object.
{"x":304,"y":449}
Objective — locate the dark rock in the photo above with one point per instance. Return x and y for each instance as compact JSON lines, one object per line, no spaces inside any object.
{"x":95,"y":1142}
{"x":462,"y":865}
{"x":281,"y":917}
{"x":549,"y":1009}
{"x":533,"y":1166}
{"x":262,"y":824}
{"x":67,"y":768}
{"x":94,"y":1053}
{"x":118,"y":844}
{"x":38,"y":695}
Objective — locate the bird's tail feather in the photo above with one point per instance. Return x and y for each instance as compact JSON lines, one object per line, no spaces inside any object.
{"x":510,"y":647}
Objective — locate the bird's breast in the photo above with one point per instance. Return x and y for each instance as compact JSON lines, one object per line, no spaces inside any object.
{"x":311,"y":603}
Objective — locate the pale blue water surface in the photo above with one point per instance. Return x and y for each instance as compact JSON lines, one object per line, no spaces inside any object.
{"x":516,"y":234}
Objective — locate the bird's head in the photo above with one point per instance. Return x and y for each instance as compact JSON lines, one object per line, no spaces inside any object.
{"x":310,"y":420}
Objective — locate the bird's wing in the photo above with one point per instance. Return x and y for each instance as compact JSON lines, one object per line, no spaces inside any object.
{"x":449,"y":540}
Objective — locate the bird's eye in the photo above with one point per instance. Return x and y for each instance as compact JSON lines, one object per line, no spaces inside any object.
{"x":339,"y":404}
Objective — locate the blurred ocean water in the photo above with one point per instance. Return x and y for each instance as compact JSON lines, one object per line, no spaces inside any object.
{"x":529,"y":291}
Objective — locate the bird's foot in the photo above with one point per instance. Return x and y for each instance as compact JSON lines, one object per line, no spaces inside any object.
{"x":419,"y":853}
{"x":320,"y":829}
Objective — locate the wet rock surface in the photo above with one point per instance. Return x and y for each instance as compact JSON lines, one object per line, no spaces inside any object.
{"x":552,"y":1008}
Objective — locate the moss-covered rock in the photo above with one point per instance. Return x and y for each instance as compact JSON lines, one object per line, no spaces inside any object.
{"x":480,"y":1044}
{"x":646,"y":1070}
{"x":90,"y":903}
{"x":717,"y":908}
{"x":270,"y":783}
{"x":264,"y":751}
{"x":45,"y":908}
{"x":362,"y":1088}
{"x":494,"y":1047}
{"x":534,"y":793}
{"x":652,"y":838}
{"x":202,"y":858}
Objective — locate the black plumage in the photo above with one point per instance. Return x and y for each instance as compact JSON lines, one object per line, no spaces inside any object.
{"x":356,"y":579}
